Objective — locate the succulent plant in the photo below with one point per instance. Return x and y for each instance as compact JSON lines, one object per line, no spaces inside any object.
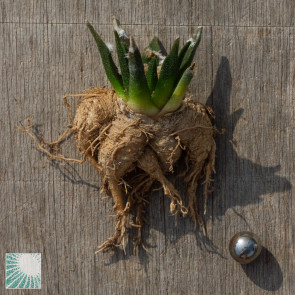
{"x":151,"y":83}
{"x":136,"y":133}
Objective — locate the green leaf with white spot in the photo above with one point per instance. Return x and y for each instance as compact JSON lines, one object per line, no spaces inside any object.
{"x":122,"y":51}
{"x":168,"y":75}
{"x":155,"y":47}
{"x":108,"y":63}
{"x":183,"y":51}
{"x":190,"y":52}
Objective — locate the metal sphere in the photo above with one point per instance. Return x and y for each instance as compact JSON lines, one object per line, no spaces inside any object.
{"x":244,"y":247}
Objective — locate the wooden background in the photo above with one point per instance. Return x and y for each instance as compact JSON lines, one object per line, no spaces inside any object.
{"x":246,"y":69}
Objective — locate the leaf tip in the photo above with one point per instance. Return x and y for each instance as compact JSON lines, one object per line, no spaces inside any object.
{"x":192,"y":66}
{"x":132,"y":45}
{"x":116,"y":23}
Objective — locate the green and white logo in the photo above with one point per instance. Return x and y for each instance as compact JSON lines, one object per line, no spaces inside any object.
{"x":23,"y":271}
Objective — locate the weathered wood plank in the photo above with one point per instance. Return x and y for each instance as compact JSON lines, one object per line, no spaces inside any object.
{"x":253,"y":185}
{"x":244,"y":60}
{"x":186,"y":12}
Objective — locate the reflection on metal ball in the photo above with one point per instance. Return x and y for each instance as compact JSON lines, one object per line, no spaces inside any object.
{"x":244,"y":247}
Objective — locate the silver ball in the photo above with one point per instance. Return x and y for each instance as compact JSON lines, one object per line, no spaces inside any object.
{"x":244,"y":247}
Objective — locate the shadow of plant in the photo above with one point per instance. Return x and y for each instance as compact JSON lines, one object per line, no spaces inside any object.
{"x":238,"y":181}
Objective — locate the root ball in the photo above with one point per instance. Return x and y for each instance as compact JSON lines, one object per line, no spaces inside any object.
{"x":118,"y":141}
{"x":131,"y":152}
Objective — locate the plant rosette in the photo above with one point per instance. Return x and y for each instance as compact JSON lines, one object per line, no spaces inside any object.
{"x":135,"y":133}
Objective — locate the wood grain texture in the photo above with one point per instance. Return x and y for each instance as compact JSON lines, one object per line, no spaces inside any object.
{"x":246,"y":70}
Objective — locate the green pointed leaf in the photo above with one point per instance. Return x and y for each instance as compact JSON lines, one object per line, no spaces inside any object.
{"x":183,"y":51}
{"x":151,"y":74}
{"x":139,"y":94}
{"x":153,"y":46}
{"x":124,"y":38}
{"x":108,"y":63}
{"x":190,"y":52}
{"x":123,"y":61}
{"x":168,"y":75}
{"x":145,"y":60}
{"x":178,"y":94}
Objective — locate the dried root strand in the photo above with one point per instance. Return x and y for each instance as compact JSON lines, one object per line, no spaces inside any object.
{"x":191,"y":128}
{"x":139,"y":185}
{"x":170,"y":158}
{"x":40,"y":143}
{"x":209,"y":168}
{"x":138,"y":193}
{"x":89,"y":92}
{"x":149,"y":163}
{"x":119,"y":238}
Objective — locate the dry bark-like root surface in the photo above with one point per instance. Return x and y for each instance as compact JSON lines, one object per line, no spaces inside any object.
{"x":119,"y":142}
